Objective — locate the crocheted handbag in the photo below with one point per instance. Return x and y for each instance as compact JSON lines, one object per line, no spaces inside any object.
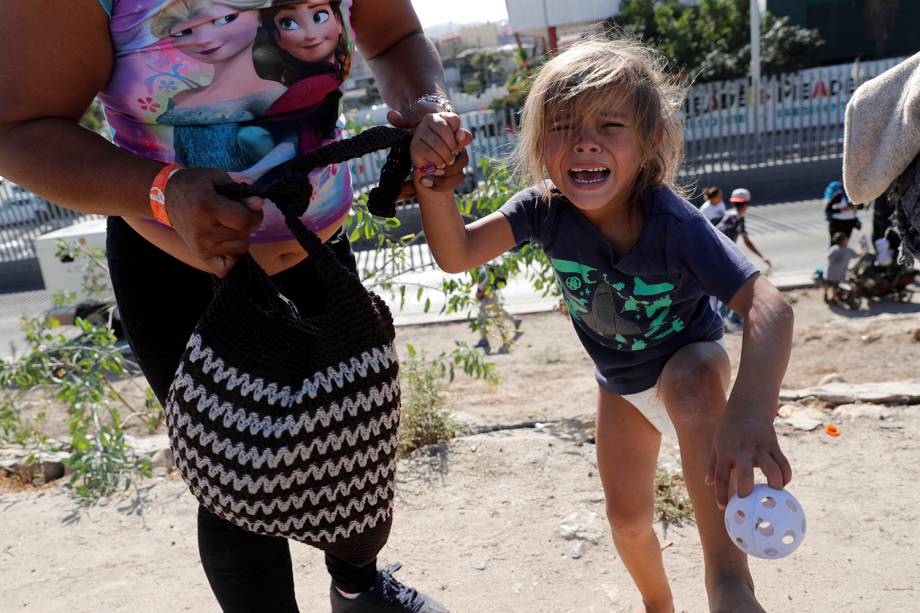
{"x":284,"y":425}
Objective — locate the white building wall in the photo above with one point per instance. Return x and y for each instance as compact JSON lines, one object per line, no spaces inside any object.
{"x":530,"y":15}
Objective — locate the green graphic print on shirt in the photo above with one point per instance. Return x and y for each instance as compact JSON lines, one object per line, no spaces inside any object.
{"x":630,"y":317}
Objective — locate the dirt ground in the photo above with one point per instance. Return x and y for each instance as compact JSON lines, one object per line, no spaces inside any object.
{"x":477,"y":522}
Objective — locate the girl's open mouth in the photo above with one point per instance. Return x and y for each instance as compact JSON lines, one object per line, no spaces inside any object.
{"x":589,"y":176}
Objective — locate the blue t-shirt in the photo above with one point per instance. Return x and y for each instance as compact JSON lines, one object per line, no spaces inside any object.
{"x":633,"y":313}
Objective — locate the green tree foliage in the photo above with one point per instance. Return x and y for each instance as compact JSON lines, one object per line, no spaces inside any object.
{"x":487,"y":64}
{"x":518,"y":83}
{"x":711,"y":40}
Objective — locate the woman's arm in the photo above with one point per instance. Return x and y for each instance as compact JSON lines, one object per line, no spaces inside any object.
{"x":746,"y":437}
{"x":403,"y":60}
{"x":52,"y":68}
{"x":406,"y":66}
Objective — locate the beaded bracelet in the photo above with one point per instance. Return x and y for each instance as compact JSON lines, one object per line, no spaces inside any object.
{"x":438,"y":99}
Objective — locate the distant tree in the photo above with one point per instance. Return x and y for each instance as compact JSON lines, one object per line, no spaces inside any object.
{"x":518,"y":83}
{"x":710,"y":40}
{"x":486,"y":63}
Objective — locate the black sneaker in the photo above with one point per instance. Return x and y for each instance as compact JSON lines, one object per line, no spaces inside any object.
{"x":387,"y":596}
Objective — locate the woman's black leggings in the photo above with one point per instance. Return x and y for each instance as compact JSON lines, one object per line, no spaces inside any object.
{"x":160,"y":300}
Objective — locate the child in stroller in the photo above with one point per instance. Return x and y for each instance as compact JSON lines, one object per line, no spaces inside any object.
{"x":876,"y":276}
{"x":871,"y":280}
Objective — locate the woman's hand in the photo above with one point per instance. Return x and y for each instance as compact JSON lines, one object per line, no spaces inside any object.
{"x":451,"y":174}
{"x":215,"y":228}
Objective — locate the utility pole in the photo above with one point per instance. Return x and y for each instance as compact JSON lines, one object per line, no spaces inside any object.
{"x":755,"y":64}
{"x":550,"y":30}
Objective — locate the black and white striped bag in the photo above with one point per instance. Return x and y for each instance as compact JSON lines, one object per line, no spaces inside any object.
{"x":287,"y":426}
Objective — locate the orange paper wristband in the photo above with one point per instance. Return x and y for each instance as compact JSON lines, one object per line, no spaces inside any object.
{"x":158,"y":193}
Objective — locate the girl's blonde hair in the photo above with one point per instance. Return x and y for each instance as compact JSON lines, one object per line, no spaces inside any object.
{"x":178,"y":11}
{"x":599,"y":73}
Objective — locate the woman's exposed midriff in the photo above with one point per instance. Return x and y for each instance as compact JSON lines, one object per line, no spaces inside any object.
{"x":272,"y":257}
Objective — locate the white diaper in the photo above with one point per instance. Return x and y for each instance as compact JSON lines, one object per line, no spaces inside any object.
{"x":652,"y":407}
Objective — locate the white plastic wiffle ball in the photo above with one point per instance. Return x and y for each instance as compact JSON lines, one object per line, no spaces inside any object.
{"x":767,"y":524}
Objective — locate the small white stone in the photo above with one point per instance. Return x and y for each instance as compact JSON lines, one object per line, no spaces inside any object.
{"x":582,"y":525}
{"x":164,"y":459}
{"x":856,"y":411}
{"x":578,"y":550}
{"x":569,"y":527}
{"x":804,"y":423}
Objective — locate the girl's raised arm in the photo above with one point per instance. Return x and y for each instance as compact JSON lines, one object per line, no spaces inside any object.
{"x":457,"y":247}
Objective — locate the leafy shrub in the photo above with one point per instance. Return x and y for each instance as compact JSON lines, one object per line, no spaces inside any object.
{"x":77,"y":370}
{"x":425,"y":420}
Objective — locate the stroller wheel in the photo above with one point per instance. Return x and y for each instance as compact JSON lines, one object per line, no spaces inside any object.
{"x":849,"y":299}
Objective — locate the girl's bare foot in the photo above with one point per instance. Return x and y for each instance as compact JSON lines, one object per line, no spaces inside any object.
{"x":733,"y":594}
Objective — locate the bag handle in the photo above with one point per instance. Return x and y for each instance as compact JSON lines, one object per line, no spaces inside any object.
{"x":292,"y":193}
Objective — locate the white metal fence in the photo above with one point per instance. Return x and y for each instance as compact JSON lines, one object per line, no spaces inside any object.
{"x":24,"y":217}
{"x":800,"y":116}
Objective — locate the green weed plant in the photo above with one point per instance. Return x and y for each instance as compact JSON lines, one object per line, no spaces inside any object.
{"x":78,"y":369}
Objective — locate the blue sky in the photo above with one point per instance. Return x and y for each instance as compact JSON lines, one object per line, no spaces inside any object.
{"x":433,"y":12}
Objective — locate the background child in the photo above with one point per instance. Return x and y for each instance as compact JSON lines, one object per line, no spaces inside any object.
{"x":714,"y":207}
{"x":838,"y":261}
{"x":733,"y":224}
{"x":840,"y":211}
{"x":636,"y":263}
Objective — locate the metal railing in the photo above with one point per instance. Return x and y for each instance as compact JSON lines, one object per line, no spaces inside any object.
{"x":799,"y":117}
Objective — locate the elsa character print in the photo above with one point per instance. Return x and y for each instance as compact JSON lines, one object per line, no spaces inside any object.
{"x":207,"y":118}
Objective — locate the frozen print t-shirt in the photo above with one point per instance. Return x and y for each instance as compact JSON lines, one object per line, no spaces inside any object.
{"x":633,"y":313}
{"x":239,"y":85}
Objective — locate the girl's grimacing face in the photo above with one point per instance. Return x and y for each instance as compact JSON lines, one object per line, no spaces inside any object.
{"x":217,"y":33}
{"x":594,"y":163}
{"x":308,"y":31}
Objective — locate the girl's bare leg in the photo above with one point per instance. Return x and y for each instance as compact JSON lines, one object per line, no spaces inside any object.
{"x":693,"y":386}
{"x":627,"y":455}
